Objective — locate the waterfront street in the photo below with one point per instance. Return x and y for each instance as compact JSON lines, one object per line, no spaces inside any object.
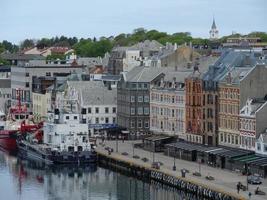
{"x":225,"y":180}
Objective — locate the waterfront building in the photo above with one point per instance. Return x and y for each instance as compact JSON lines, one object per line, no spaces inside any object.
{"x":5,"y":91}
{"x":21,"y":76}
{"x":253,"y":121}
{"x":261,"y":144}
{"x":239,"y":85}
{"x":167,"y":104}
{"x":134,"y":99}
{"x":97,"y":103}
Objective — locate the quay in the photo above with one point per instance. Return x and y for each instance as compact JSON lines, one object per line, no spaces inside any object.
{"x":222,"y":187}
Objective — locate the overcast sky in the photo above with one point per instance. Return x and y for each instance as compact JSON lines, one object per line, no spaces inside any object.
{"x":20,"y":19}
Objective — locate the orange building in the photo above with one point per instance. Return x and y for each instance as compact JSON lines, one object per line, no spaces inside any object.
{"x":193,"y":105}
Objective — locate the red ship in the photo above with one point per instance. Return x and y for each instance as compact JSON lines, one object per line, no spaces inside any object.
{"x":18,"y":121}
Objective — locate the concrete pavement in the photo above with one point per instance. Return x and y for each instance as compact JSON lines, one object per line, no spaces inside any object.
{"x":224,"y":179}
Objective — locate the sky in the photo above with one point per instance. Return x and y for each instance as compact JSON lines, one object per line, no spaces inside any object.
{"x":21,"y":19}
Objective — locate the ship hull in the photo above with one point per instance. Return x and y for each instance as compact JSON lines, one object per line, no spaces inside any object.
{"x":8,"y":141}
{"x":32,"y":152}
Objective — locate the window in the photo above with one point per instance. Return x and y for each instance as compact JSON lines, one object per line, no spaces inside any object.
{"x":114,"y":120}
{"x":140,"y":98}
{"x":140,"y":85}
{"x":106,"y":120}
{"x":89,"y":110}
{"x":134,"y":85}
{"x":139,"y":123}
{"x":48,"y":73}
{"x":106,"y":110}
{"x":146,"y":110}
{"x":146,"y":99}
{"x":173,"y":99}
{"x":67,"y":117}
{"x":97,"y":120}
{"x":173,"y":112}
{"x":114,"y":110}
{"x":221,"y":137}
{"x":265,"y":148}
{"x":146,"y":124}
{"x":132,"y":111}
{"x":140,"y":111}
{"x":145,"y":85}
{"x":96,"y":110}
{"x":75,"y":117}
{"x":132,"y":98}
{"x":258,"y":146}
{"x":27,"y":74}
{"x":27,"y":84}
{"x":132,"y":124}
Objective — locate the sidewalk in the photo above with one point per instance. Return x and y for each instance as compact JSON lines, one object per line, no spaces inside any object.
{"x":224,"y":179}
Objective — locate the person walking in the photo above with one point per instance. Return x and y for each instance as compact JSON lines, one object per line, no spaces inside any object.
{"x":238,"y":187}
{"x":249,"y":195}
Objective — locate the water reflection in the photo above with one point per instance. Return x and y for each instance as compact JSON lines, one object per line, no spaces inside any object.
{"x":20,"y":179}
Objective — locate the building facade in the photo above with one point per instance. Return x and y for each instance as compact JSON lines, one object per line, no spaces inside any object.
{"x":253,"y":121}
{"x":167,"y":105}
{"x":134,"y":99}
{"x":23,"y":73}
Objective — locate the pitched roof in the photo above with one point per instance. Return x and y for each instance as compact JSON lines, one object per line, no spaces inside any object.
{"x":143,"y":74}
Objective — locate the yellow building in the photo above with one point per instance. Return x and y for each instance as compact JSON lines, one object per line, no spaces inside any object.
{"x":40,"y":105}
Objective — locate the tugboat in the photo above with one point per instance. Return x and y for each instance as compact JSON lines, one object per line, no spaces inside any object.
{"x":65,"y":140}
{"x":18,"y":121}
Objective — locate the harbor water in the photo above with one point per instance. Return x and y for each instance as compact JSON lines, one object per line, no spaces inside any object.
{"x":24,"y":180}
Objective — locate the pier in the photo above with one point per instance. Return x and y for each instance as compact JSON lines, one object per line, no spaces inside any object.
{"x":222,"y":187}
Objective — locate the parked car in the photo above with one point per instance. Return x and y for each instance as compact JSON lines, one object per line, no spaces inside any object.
{"x":255,"y":180}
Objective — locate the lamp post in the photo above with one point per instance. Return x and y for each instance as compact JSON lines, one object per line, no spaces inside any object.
{"x":133,"y":149}
{"x":248,"y":171}
{"x":174,"y":166}
{"x":117,"y":142}
{"x":153,"y":151}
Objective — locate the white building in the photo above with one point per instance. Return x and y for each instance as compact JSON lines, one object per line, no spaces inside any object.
{"x":5,"y":91}
{"x":167,"y":105}
{"x":21,"y":76}
{"x":261,"y":144}
{"x":214,"y":33}
{"x":252,"y":122}
{"x":96,"y":102}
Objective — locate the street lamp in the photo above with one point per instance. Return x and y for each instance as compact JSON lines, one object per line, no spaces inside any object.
{"x":174,"y":166}
{"x":117,"y":141}
{"x":248,"y":171}
{"x":133,"y":149}
{"x":153,"y":151}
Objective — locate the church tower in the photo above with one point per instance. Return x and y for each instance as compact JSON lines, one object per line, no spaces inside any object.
{"x":214,"y":33}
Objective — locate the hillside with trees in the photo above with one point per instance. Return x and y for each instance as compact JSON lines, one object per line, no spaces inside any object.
{"x":91,"y":47}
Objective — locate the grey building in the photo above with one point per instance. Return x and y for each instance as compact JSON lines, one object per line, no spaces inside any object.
{"x":133,"y":99}
{"x":125,"y":58}
{"x":23,"y":73}
{"x":5,"y":91}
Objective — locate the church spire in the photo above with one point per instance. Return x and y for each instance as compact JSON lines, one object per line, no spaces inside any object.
{"x":214,"y":33}
{"x":213,"y":24}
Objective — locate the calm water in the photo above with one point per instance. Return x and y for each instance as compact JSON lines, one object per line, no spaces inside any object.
{"x":22,"y":180}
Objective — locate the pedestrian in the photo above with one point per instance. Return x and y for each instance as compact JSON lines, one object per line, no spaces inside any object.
{"x":238,"y":187}
{"x":249,"y":195}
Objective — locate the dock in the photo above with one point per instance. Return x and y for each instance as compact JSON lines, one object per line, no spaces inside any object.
{"x":223,"y":187}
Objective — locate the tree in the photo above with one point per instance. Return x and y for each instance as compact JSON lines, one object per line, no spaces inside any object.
{"x":28,"y":43}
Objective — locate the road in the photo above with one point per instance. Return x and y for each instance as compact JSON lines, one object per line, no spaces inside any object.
{"x":224,"y":179}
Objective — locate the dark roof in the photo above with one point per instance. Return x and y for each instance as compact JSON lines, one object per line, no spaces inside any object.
{"x":17,"y":56}
{"x":5,"y":68}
